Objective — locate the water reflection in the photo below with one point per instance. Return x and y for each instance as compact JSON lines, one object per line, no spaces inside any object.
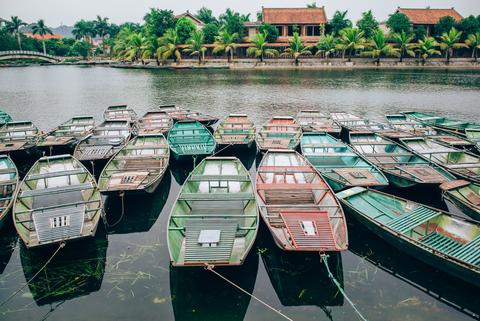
{"x":8,"y":242}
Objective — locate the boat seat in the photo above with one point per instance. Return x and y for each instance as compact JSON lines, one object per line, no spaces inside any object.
{"x":202,"y":178}
{"x":76,"y":171}
{"x":215,"y":196}
{"x":327,"y":154}
{"x":441,"y":243}
{"x":411,"y":220}
{"x":59,"y":223}
{"x":469,"y":252}
{"x":56,"y":190}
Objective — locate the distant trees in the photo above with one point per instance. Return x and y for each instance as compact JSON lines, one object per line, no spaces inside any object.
{"x":195,"y":46}
{"x":13,"y":26}
{"x":226,"y":42}
{"x":260,"y":49}
{"x":367,"y":24}
{"x":206,"y":15}
{"x":351,"y":39}
{"x":185,"y":27}
{"x":270,"y":31}
{"x":296,"y":49}
{"x":42,"y":30}
{"x":158,"y":21}
{"x":339,"y":22}
{"x":449,"y":41}
{"x":398,"y":22}
{"x":473,"y":41}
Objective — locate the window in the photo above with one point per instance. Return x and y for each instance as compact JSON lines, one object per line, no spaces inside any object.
{"x":294,"y":28}
{"x":313,"y":31}
{"x":280,"y":30}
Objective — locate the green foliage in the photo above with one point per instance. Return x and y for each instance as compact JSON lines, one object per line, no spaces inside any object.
{"x":168,"y":45}
{"x":351,"y":39}
{"x":270,"y":31}
{"x":7,"y":40}
{"x":233,"y":22}
{"x":260,"y":49}
{"x":41,"y":29}
{"x":398,"y":22}
{"x":339,"y":22}
{"x":473,"y":41}
{"x":378,"y":46}
{"x":185,"y":27}
{"x":326,"y":46}
{"x":469,"y":26}
{"x":449,"y":41}
{"x":445,"y":24}
{"x":59,"y":47}
{"x":84,"y":29}
{"x":13,"y":26}
{"x":312,"y":5}
{"x":404,"y":44}
{"x":81,"y":48}
{"x":157,"y":21}
{"x":297,"y":49}
{"x":427,"y":47}
{"x":419,"y":32}
{"x":206,"y":15}
{"x":225,"y":42}
{"x":210,"y":31}
{"x":102,"y":28}
{"x":368,"y":24}
{"x":195,"y":46}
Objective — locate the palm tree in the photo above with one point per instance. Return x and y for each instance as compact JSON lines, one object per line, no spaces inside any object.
{"x":377,"y":46}
{"x":225,"y":42}
{"x":473,"y":41}
{"x":404,"y":43}
{"x":260,"y":49}
{"x":134,"y":49}
{"x":168,"y":45}
{"x":150,"y":46}
{"x":84,"y":30}
{"x":450,"y":41}
{"x":41,"y":29}
{"x":13,"y":26}
{"x":326,"y":46}
{"x":350,"y":39}
{"x":121,"y":42}
{"x":102,"y":28}
{"x":427,"y":47}
{"x":195,"y":46}
{"x":296,"y":49}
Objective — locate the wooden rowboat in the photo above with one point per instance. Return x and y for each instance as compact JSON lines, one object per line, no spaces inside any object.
{"x":8,"y":186}
{"x":4,"y":118}
{"x":453,"y":125}
{"x":462,"y":196}
{"x":236,"y":130}
{"x":279,"y":133}
{"x":139,"y":166}
{"x":300,"y":210}
{"x":445,"y":241}
{"x":402,"y":167}
{"x":181,"y":114}
{"x":316,"y":121}
{"x":339,"y":164}
{"x":154,"y":122}
{"x":120,"y":112}
{"x":17,"y":136}
{"x":189,"y":139}
{"x":215,"y":217}
{"x":57,"y":201}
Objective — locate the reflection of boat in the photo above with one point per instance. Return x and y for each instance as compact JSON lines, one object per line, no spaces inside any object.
{"x":75,"y":271}
{"x":199,"y":295}
{"x":8,"y":242}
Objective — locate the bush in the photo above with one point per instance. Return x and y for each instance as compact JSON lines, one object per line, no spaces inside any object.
{"x":80,"y":48}
{"x":272,"y":32}
{"x":185,"y":27}
{"x":210,"y":31}
{"x":398,"y":22}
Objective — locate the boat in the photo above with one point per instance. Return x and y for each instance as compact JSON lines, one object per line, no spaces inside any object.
{"x":138,"y":166}
{"x":445,"y":241}
{"x":8,"y":186}
{"x":58,"y":200}
{"x":105,"y":141}
{"x":64,"y":138}
{"x":120,"y":112}
{"x":280,"y":132}
{"x":181,"y":114}
{"x":189,"y":139}
{"x":154,"y":122}
{"x":215,"y":217}
{"x":18,"y":136}
{"x":4,"y":118}
{"x":402,"y":167}
{"x":316,"y":121}
{"x":459,"y":162}
{"x":297,"y":205}
{"x":473,"y":135}
{"x":236,"y":130}
{"x":462,"y":197}
{"x":338,"y":163}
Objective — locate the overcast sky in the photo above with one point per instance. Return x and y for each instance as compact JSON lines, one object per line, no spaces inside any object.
{"x":56,"y":12}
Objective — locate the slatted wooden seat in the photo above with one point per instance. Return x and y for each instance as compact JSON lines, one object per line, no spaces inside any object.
{"x":76,"y":171}
{"x":215,"y":196}
{"x":441,"y":242}
{"x":357,"y":176}
{"x":56,"y":190}
{"x":424,"y":173}
{"x":419,"y":215}
{"x":469,"y":252}
{"x":47,"y":233}
{"x":206,"y":178}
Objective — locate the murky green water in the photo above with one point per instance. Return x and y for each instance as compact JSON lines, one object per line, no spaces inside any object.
{"x":124,"y":273}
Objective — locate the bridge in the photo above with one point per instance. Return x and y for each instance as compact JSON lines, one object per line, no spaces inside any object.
{"x":23,"y":54}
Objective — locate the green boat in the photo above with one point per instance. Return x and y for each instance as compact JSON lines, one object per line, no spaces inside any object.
{"x":18,"y":136}
{"x":454,"y":125}
{"x":280,"y":132}
{"x":316,"y":121}
{"x":339,"y":164}
{"x":445,"y":241}
{"x":461,"y":163}
{"x":139,"y":166}
{"x":474,"y":136}
{"x":462,"y":197}
{"x":8,"y":186}
{"x":236,"y":130}
{"x":215,"y":217}
{"x":4,"y":118}
{"x":402,"y":167}
{"x":120,"y":112}
{"x":189,"y":139}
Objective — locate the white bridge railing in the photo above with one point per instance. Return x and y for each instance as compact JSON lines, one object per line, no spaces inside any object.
{"x":28,"y":53}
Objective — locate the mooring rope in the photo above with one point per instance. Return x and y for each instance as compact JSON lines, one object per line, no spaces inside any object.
{"x":93,"y":168}
{"x":221,"y":150}
{"x":122,"y":198}
{"x":60,"y":246}
{"x":324,"y":258}
{"x":209,"y":267}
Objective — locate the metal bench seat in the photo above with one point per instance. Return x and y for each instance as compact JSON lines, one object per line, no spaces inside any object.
{"x":202,"y":178}
{"x":215,"y":196}
{"x":409,"y":221}
{"x":56,"y":190}
{"x":469,"y":252}
{"x":76,"y":171}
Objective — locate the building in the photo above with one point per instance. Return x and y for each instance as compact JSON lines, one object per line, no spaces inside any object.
{"x":428,"y":17}
{"x":46,"y":37}
{"x":197,"y":22}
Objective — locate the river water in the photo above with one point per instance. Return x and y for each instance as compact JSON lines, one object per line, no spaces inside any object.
{"x":124,"y":273}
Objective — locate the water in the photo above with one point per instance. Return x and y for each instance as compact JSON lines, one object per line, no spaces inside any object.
{"x":124,"y":273}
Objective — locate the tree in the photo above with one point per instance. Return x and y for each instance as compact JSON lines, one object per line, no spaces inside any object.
{"x":351,"y":39}
{"x":232,"y":22}
{"x":339,"y":22}
{"x":134,"y":50}
{"x":297,"y":49}
{"x":150,"y":46}
{"x":195,"y":46}
{"x":450,"y":41}
{"x":184,"y":27}
{"x":312,"y":5}
{"x":41,"y":29}
{"x":102,"y":28}
{"x":206,"y":15}
{"x":225,"y":42}
{"x":367,"y":24}
{"x":445,"y":24}
{"x":419,"y":32}
{"x":326,"y":46}
{"x":168,"y":46}
{"x":270,"y":31}
{"x":469,"y":26}
{"x":473,"y":41}
{"x":158,"y":21}
{"x":426,"y":48}
{"x":378,"y":46}
{"x":84,"y":30}
{"x":260,"y":49}
{"x":210,"y":32}
{"x":121,"y":41}
{"x":80,"y":48}
{"x":398,"y":22}
{"x":404,"y":43}
{"x":13,"y":26}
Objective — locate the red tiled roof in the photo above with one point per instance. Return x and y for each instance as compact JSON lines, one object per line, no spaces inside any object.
{"x":429,"y":16}
{"x":46,"y":37}
{"x":294,"y":15}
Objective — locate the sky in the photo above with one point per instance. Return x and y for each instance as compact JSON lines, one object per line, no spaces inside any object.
{"x":56,"y":12}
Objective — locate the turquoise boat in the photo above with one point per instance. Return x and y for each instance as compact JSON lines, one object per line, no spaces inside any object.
{"x":8,"y":186}
{"x":462,"y":197}
{"x":4,"y":118}
{"x":454,"y":125}
{"x":339,"y":164}
{"x":445,"y":241}
{"x":190,"y":139}
{"x":402,"y":167}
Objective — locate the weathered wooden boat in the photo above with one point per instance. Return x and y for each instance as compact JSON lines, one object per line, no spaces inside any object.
{"x":18,"y":136}
{"x":190,"y":139}
{"x":236,"y":130}
{"x":137,"y":167}
{"x":402,"y":167}
{"x":120,"y":112}
{"x":215,"y":217}
{"x":57,"y":201}
{"x":453,"y":125}
{"x":459,"y":162}
{"x":445,"y":241}
{"x":181,"y":114}
{"x":339,"y":164}
{"x":154,"y":122}
{"x":4,"y":118}
{"x":316,"y":121}
{"x":280,"y":132}
{"x":105,"y":141}
{"x":342,"y":117}
{"x":298,"y":206}
{"x":462,"y":196}
{"x":64,"y":138}
{"x":8,"y":186}
{"x":473,"y":135}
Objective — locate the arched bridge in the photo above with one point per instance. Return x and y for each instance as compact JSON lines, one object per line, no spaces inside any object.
{"x":23,"y":54}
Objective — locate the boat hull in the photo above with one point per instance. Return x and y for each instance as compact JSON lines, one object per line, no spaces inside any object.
{"x":457,"y":207}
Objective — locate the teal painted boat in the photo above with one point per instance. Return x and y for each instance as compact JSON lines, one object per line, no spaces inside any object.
{"x":402,"y":167}
{"x":4,"y":118}
{"x":339,"y":164}
{"x":443,"y":240}
{"x":189,"y":139}
{"x":462,"y":196}
{"x":454,"y":125}
{"x":281,"y":132}
{"x":8,"y":186}
{"x":236,"y":130}
{"x":215,"y":217}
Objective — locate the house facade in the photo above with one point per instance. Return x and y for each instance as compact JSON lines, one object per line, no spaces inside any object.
{"x":197,"y":22}
{"x":428,"y":17}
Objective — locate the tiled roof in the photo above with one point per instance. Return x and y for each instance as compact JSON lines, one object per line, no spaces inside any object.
{"x":46,"y":37}
{"x":429,"y":16}
{"x":190,"y":16}
{"x":294,"y":15}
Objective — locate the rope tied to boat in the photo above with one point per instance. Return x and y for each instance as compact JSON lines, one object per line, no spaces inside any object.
{"x":221,"y":150}
{"x":93,"y":167}
{"x":210,"y":267}
{"x":324,"y":258}
{"x":60,"y":246}
{"x":122,"y":201}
